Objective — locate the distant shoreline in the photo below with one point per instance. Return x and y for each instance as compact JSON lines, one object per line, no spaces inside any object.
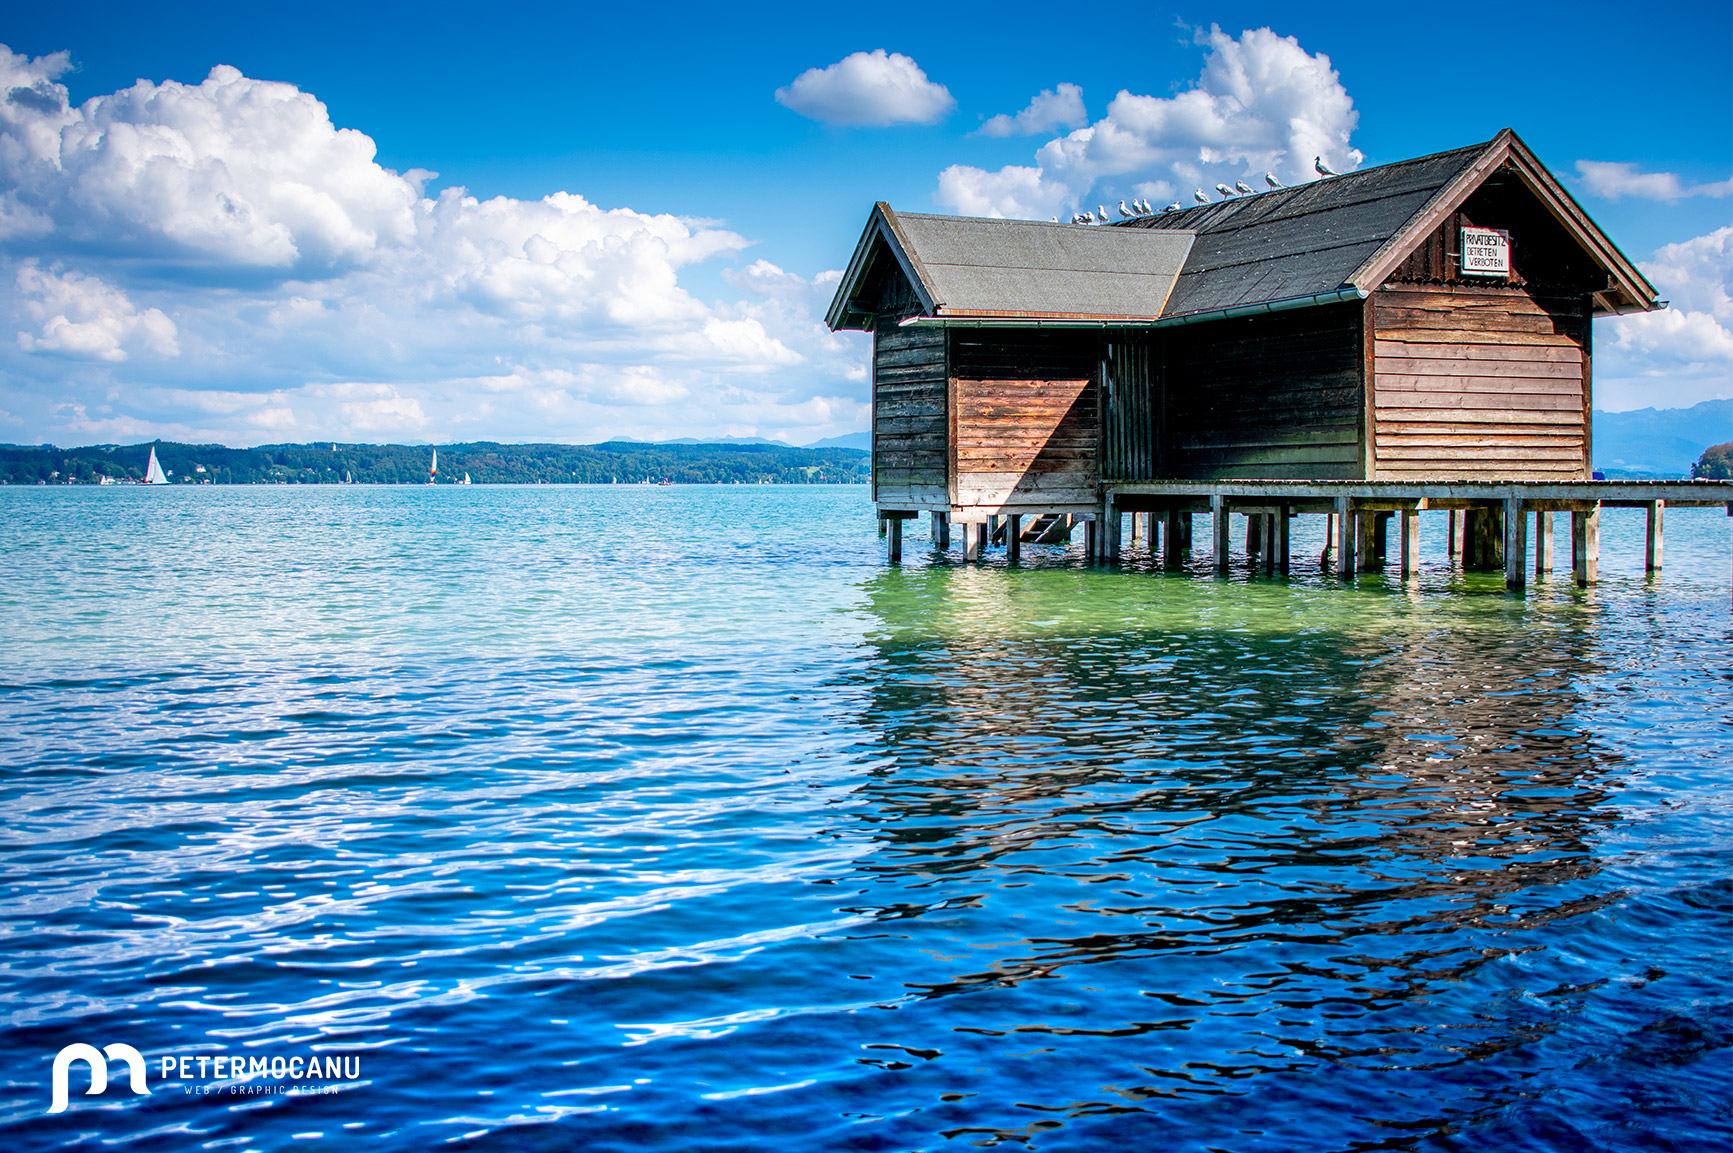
{"x":483,"y":462}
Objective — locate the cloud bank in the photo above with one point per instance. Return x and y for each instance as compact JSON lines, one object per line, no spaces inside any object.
{"x":870,"y":89}
{"x":1262,"y":103}
{"x":1617,"y":180}
{"x":1684,"y":354}
{"x":171,"y":242}
{"x":1049,"y":111}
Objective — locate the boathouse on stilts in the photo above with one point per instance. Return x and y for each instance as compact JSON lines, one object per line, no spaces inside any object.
{"x":1410,"y":337}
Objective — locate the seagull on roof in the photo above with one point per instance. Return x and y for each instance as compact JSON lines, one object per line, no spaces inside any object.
{"x":1244,"y":187}
{"x":1201,"y":196}
{"x":1227,"y":193}
{"x":1174,"y":207}
{"x":1270,"y":179}
{"x":1323,"y":169}
{"x":1101,"y":211}
{"x":1089,"y":218}
{"x":1124,"y":212}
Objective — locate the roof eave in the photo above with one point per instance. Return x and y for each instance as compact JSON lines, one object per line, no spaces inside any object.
{"x":881,"y":225}
{"x":1507,"y":146}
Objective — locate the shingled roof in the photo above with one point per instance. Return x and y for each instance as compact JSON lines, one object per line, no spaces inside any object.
{"x":1304,"y":241}
{"x":963,"y":266}
{"x":1332,"y":239}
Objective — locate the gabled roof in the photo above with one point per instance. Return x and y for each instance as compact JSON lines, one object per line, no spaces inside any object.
{"x":1303,"y":241}
{"x":1333,"y":239}
{"x":962,"y":266}
{"x":1352,"y":231}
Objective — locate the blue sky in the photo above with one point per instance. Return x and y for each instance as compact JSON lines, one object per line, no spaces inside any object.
{"x":680,"y":295}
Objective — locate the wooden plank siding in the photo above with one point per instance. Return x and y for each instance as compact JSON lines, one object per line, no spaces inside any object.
{"x":1025,"y":423}
{"x":910,"y":418}
{"x":1273,"y":397}
{"x":1132,"y":403}
{"x":1478,"y":383}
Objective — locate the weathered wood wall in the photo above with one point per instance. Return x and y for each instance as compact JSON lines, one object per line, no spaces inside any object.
{"x":1133,"y":440}
{"x":910,"y":418}
{"x":1479,"y":383}
{"x":1273,"y":397}
{"x":1025,"y":420}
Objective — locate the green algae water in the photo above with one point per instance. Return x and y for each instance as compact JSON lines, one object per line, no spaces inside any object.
{"x":672,"y":818}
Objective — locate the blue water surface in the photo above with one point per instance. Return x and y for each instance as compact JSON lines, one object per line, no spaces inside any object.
{"x":666,"y":818}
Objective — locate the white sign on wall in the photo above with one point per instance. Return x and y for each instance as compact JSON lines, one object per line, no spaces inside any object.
{"x":1485,"y":252}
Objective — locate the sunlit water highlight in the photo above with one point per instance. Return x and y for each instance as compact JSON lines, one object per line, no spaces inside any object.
{"x":671,"y":818}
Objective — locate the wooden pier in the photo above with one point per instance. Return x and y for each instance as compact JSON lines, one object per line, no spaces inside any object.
{"x":1360,"y":516}
{"x":1367,"y":347}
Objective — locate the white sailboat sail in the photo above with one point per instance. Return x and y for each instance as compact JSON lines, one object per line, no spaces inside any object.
{"x":153,"y":473}
{"x":433,"y":469}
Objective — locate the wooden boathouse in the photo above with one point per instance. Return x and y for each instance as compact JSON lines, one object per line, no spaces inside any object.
{"x":1408,"y":337}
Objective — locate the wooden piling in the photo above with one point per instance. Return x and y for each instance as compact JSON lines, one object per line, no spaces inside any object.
{"x":1280,"y":550}
{"x":1254,"y":537}
{"x":1586,"y":546}
{"x":1454,"y":548}
{"x":1013,"y":538}
{"x":1515,"y":543}
{"x":1345,"y":538}
{"x":1219,"y":515}
{"x":1171,"y":555}
{"x":894,"y":546}
{"x":941,"y":529}
{"x":1652,"y":545}
{"x":1368,"y":525}
{"x":1542,"y":543}
{"x":1410,"y":542}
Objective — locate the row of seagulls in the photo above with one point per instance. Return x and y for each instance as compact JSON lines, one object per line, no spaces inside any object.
{"x":1137,"y":208}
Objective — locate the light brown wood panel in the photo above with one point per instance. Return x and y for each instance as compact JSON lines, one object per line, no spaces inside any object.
{"x":1426,"y":344}
{"x":1472,"y":381}
{"x":1024,"y":443}
{"x":1481,"y":366}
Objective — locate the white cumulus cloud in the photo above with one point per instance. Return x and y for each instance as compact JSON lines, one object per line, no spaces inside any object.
{"x":1614,"y":180}
{"x":1262,"y":103}
{"x":80,"y":316}
{"x":354,"y":301}
{"x":1684,"y":354}
{"x":874,"y":89}
{"x":1049,"y":111}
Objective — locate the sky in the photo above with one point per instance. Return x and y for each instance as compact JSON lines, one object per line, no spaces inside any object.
{"x":432,"y":223}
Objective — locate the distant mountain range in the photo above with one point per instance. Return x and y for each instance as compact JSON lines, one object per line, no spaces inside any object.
{"x":1659,"y":442}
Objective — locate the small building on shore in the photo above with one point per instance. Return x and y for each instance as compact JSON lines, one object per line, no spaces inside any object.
{"x":1429,"y":320}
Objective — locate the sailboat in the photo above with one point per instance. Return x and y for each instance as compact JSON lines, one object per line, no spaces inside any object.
{"x":465,"y":479}
{"x":153,"y":473}
{"x":433,"y":469}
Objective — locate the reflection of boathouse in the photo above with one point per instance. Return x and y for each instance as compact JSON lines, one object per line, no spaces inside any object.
{"x":1415,"y":336}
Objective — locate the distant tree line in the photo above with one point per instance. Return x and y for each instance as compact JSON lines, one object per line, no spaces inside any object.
{"x":1716,"y":463}
{"x":621,"y":462}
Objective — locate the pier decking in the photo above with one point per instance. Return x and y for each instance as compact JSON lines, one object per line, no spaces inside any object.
{"x":1360,"y":513}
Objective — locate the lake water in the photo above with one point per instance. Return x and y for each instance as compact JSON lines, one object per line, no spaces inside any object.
{"x":671,"y":818}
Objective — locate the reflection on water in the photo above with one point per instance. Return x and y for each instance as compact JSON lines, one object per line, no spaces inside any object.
{"x":700,"y":836}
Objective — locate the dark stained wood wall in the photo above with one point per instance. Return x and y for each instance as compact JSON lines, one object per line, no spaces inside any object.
{"x":1274,"y":397}
{"x":1025,"y":420}
{"x":910,"y":421}
{"x":1133,"y":437}
{"x":1479,"y":382}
